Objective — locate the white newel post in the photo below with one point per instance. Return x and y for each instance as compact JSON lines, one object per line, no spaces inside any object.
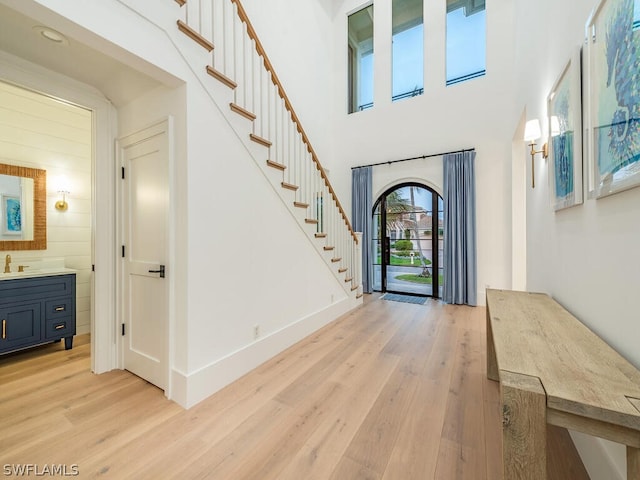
{"x":358,"y":262}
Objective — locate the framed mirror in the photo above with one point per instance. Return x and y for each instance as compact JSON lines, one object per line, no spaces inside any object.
{"x":23,"y":208}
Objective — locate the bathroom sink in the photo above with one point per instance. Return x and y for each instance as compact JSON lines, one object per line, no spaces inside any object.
{"x":42,"y":272}
{"x":26,"y":273}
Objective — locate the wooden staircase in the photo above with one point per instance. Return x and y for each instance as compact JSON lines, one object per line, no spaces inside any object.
{"x":239,"y":62}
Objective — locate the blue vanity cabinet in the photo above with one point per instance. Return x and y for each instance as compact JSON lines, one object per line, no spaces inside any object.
{"x":37,"y":310}
{"x":21,"y":326}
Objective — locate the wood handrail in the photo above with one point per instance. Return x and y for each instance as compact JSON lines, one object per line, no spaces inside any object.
{"x":276,"y":81}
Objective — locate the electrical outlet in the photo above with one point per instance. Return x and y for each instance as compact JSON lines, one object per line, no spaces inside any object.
{"x":256,"y":332}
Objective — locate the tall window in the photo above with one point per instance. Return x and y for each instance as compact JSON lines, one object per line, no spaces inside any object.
{"x":408,"y":49}
{"x":466,"y":40}
{"x":361,"y":59}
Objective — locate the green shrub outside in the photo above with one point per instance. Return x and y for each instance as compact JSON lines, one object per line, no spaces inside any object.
{"x":404,"y":245}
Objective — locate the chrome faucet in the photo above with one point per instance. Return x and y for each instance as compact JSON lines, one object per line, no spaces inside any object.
{"x":7,"y":261}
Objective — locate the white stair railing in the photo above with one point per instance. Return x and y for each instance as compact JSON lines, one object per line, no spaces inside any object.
{"x":239,"y":60}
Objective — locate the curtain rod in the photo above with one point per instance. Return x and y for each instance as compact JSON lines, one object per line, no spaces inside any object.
{"x":414,"y":158}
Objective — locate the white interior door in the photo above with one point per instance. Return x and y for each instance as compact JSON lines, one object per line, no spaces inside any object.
{"x":145,"y":221}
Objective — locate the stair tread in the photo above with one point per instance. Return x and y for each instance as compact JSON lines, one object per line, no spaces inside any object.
{"x":311,"y":221}
{"x":301,"y":205}
{"x":276,"y":165}
{"x":336,"y":259}
{"x":260,"y":140}
{"x":195,"y":36}
{"x":221,"y":77}
{"x":242,"y":111}
{"x":348,"y":279}
{"x":289,"y":186}
{"x":342,"y":270}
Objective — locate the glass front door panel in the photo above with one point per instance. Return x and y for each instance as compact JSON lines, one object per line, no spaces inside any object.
{"x":377,"y":250}
{"x":440,"y":246}
{"x":408,"y":253}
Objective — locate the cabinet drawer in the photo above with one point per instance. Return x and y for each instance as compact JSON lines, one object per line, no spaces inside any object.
{"x":58,"y":307}
{"x":60,"y":327}
{"x":39,"y":288}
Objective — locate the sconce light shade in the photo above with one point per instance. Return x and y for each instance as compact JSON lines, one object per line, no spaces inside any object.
{"x":532,"y":130}
{"x":63,"y":189}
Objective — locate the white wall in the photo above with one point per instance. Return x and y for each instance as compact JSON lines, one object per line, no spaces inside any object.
{"x":474,"y":114}
{"x":586,"y":256}
{"x":241,"y":259}
{"x":296,"y":37}
{"x":40,"y":132}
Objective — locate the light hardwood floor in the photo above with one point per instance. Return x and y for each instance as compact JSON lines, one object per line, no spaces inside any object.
{"x":389,"y":391}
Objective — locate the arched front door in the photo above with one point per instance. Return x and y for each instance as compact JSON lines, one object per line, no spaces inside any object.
{"x":407,"y":241}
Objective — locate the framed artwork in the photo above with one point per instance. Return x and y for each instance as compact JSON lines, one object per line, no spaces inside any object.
{"x":11,"y":215}
{"x":564,"y":108}
{"x":613,"y":96}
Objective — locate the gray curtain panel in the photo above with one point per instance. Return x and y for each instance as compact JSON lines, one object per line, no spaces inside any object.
{"x":460,"y":276}
{"x":361,"y":205}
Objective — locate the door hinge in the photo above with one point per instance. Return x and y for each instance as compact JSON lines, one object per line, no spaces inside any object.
{"x":122,"y":251}
{"x":123,"y":329}
{"x":123,"y":173}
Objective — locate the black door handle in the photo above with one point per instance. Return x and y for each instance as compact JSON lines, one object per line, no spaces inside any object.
{"x":161,"y":271}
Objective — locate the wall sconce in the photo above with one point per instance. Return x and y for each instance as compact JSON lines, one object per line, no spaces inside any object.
{"x":62,"y":205}
{"x":62,"y":186}
{"x":532,"y":132}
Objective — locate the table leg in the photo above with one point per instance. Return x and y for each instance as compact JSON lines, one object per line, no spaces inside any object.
{"x":524,"y":427}
{"x":633,"y":463}
{"x":492,"y":364}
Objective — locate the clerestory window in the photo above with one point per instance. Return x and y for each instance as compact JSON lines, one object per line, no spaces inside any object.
{"x":360,"y":54}
{"x":466,"y":40}
{"x":408,"y":49}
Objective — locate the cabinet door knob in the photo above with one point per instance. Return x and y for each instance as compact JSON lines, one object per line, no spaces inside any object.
{"x":60,"y":327}
{"x":4,"y":329}
{"x":59,"y":309}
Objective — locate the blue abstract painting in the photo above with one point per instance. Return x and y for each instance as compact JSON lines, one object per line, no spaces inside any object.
{"x":616,"y":103}
{"x":565,"y":114}
{"x":13,"y":216}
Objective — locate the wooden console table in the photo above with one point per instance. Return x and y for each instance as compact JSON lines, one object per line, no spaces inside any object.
{"x":553,"y":369}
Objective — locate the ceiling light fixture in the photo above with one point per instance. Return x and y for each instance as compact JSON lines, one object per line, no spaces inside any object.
{"x":51,"y":35}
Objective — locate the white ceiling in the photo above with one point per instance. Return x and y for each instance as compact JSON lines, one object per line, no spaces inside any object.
{"x":118,"y":82}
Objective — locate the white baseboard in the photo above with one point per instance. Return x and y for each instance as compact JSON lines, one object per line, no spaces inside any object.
{"x":189,"y":389}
